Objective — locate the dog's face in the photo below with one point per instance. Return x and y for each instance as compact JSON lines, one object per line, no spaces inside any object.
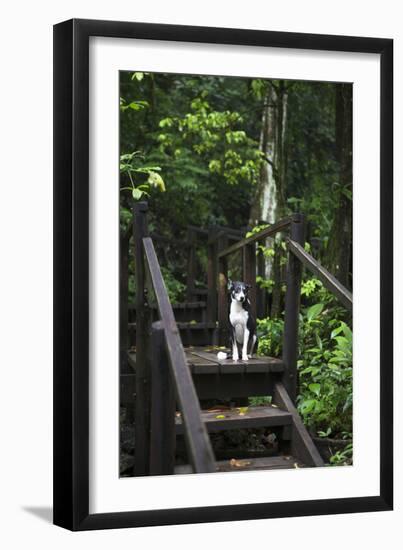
{"x":238,"y":290}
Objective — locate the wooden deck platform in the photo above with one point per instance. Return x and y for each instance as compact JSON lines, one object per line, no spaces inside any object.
{"x":219,"y":379}
{"x":204,"y":361}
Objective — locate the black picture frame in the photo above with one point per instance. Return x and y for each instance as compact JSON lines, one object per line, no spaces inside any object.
{"x":71,"y":274}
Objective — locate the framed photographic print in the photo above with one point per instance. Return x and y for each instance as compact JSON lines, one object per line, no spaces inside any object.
{"x":220,"y":195}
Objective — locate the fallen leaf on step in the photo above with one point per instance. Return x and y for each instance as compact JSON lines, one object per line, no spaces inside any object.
{"x":242,"y":410}
{"x":234,"y":463}
{"x":275,"y":406}
{"x":296,"y":465}
{"x":220,"y":416}
{"x":218,"y":408}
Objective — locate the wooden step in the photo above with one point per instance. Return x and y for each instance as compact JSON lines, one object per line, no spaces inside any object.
{"x":197,"y":304}
{"x":241,"y":418}
{"x":186,"y":325}
{"x":193,"y":333}
{"x":250,"y":464}
{"x":183,"y":311}
{"x":204,"y":360}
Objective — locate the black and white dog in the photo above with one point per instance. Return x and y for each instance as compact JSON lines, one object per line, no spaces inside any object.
{"x":242,"y":324}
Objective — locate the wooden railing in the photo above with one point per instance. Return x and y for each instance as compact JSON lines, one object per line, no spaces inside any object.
{"x":298,"y":257}
{"x":295,"y":224}
{"x":328,"y":280}
{"x":162,"y":374}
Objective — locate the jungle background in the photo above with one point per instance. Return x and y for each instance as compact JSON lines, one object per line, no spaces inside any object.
{"x":243,"y":153}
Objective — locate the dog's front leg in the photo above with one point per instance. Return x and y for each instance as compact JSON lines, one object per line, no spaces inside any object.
{"x":245,"y":345}
{"x":235,"y":355}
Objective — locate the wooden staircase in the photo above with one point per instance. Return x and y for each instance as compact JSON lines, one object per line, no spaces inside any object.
{"x":172,"y":365}
{"x":226,"y":379}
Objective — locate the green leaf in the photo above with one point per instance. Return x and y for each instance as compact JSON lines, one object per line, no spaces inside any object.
{"x":137,"y":193}
{"x":308,"y":405}
{"x":347,"y":332}
{"x":137,"y":105}
{"x":314,"y":311}
{"x":155,"y":180}
{"x":315,"y":388}
{"x":336,"y":331}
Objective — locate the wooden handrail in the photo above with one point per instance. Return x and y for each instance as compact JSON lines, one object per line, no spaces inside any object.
{"x":197,"y":439}
{"x":263,"y":234}
{"x":170,"y":240}
{"x":329,"y":281}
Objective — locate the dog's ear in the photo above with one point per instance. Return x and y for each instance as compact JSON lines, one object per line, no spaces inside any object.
{"x":248,"y":286}
{"x":230,"y":284}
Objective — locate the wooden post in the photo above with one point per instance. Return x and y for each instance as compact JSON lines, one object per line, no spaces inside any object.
{"x":212,"y":274}
{"x":221,"y":290}
{"x":142,"y":411}
{"x":222,"y":302}
{"x":191,"y":267}
{"x":162,"y":435}
{"x":123,"y":300}
{"x":249,"y":272}
{"x":261,"y":293}
{"x":292,"y":304}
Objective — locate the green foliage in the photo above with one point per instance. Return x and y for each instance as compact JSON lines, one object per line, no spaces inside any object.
{"x":325,"y":369}
{"x":325,"y":359}
{"x":196,"y":139}
{"x":343,"y":457}
{"x":134,"y":169}
{"x":175,"y":288}
{"x":217,"y":137}
{"x":270,"y":334}
{"x":260,"y":400}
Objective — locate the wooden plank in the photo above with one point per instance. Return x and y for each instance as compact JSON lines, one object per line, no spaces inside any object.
{"x":223,"y":366}
{"x":212,"y":266}
{"x":198,"y":230}
{"x":123,"y":298}
{"x":201,"y":365}
{"x":184,"y":325}
{"x":198,"y":442}
{"x":222,"y":301}
{"x":261,"y":293}
{"x":217,"y":386}
{"x":142,"y":412}
{"x":250,"y":464}
{"x":329,"y":281}
{"x":269,"y":231}
{"x":302,"y":445}
{"x":256,"y":364}
{"x":249,"y":273}
{"x":266,"y":364}
{"x":127,"y":387}
{"x":131,"y":359}
{"x":162,"y":433}
{"x":179,"y":305}
{"x":169,"y":240}
{"x":191,"y":263}
{"x":253,"y":417}
{"x":291,"y":311}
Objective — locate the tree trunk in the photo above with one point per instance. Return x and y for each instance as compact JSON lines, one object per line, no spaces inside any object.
{"x":340,"y":243}
{"x":269,"y":200}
